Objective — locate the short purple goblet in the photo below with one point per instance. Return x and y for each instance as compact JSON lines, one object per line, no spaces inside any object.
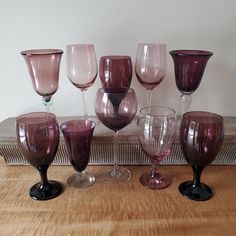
{"x":201,"y":136}
{"x":78,"y":137}
{"x":189,"y":68}
{"x":38,"y":140}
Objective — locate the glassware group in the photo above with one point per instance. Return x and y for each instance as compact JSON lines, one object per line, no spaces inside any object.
{"x":201,"y":133}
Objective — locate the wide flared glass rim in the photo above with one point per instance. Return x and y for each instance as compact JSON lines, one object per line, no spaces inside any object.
{"x":36,"y":115}
{"x":191,"y":52}
{"x":81,"y":123}
{"x":169,"y":112}
{"x":204,"y":115}
{"x":41,"y":52}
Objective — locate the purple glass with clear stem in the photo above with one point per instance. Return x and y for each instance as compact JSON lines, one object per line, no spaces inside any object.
{"x":150,"y":66}
{"x":157,"y":130}
{"x":78,"y":137}
{"x":82,"y":69}
{"x":44,"y":66}
{"x":38,"y":140}
{"x":201,"y":137}
{"x":189,"y":68}
{"x":115,"y":111}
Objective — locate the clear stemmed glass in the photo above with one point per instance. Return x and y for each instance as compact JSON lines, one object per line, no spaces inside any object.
{"x":82,"y":69}
{"x":43,"y":66}
{"x":189,"y":68}
{"x":115,"y":111}
{"x":150,"y":66}
{"x":201,"y":136}
{"x":157,"y":130}
{"x":78,"y":137}
{"x":38,"y":140}
{"x":115,"y":73}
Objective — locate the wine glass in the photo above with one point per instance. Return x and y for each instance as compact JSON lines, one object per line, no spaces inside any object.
{"x":43,"y":66}
{"x":115,"y":73}
{"x":157,"y":130}
{"x":115,"y":111}
{"x":81,"y":64}
{"x":189,"y":68}
{"x":150,"y":66}
{"x":78,"y":137}
{"x":38,"y":140}
{"x":201,"y":136}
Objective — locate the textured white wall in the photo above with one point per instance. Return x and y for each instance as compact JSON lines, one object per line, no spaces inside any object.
{"x":116,"y":27}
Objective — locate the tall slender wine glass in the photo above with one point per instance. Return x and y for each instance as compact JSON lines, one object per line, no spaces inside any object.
{"x":150,"y":66}
{"x":115,"y":73}
{"x":201,"y":136}
{"x":38,"y":140}
{"x":157,"y":130}
{"x":81,"y":64}
{"x":43,"y":66}
{"x":115,"y":111}
{"x":78,"y":137}
{"x":189,"y":68}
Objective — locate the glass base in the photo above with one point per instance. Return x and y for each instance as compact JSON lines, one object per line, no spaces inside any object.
{"x":81,"y":180}
{"x":121,"y":175}
{"x":154,"y":182}
{"x":46,"y":192}
{"x":201,"y":193}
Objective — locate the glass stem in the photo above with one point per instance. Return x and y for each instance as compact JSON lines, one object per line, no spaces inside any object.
{"x":186,"y":100}
{"x":43,"y":174}
{"x":197,"y":171}
{"x":85,"y":104}
{"x":149,"y":97}
{"x":115,"y":171}
{"x":47,"y":102}
{"x":154,"y":169}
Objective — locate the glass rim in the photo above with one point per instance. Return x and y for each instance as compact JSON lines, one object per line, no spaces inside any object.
{"x":191,"y":52}
{"x":115,"y":57}
{"x":172,"y":112}
{"x":153,"y":44}
{"x":49,"y":51}
{"x":210,"y":115}
{"x":129,"y":90}
{"x":70,"y":121}
{"x":29,"y":114}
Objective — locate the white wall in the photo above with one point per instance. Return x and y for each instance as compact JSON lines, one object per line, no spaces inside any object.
{"x":116,"y":27}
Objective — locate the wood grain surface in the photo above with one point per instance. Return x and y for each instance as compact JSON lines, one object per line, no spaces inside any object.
{"x":123,"y":209}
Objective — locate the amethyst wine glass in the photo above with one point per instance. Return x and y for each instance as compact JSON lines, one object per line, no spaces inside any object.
{"x":150,"y":66}
{"x":78,"y":137}
{"x":43,"y":66}
{"x":38,"y":140}
{"x":157,"y":130}
{"x":81,"y":64}
{"x":189,"y":68}
{"x":115,"y":73}
{"x":115,"y":111}
{"x":201,"y":136}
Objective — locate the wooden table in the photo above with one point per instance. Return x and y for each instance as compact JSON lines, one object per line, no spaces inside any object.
{"x":123,"y":209}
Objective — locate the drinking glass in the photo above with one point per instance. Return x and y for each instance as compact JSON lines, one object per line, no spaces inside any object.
{"x":115,"y":111}
{"x":150,"y":66}
{"x":157,"y":130}
{"x":115,"y":73}
{"x":43,"y":66}
{"x":189,"y":68}
{"x":38,"y":140}
{"x":81,"y":64}
{"x":78,"y":137}
{"x":201,"y":136}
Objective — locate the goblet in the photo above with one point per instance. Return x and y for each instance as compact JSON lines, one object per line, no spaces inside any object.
{"x":38,"y":139}
{"x":150,"y":66}
{"x":115,"y":73}
{"x":201,"y":136}
{"x":115,"y":111}
{"x":189,"y":68}
{"x":43,"y":66}
{"x":157,"y":130}
{"x":78,"y":136}
{"x":81,"y":64}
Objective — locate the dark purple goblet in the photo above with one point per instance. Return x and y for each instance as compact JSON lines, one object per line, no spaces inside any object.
{"x":78,"y":137}
{"x":189,"y":68}
{"x":115,"y":111}
{"x":43,"y":66}
{"x":115,"y":73}
{"x":38,"y":140}
{"x":157,"y":130}
{"x":201,"y":136}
